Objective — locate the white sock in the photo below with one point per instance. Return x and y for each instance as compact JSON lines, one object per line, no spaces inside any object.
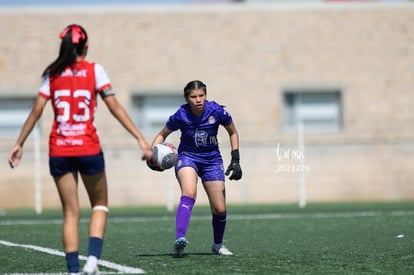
{"x":92,"y":261}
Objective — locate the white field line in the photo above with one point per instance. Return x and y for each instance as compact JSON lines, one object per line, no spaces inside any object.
{"x":274,"y":216}
{"x":119,"y":268}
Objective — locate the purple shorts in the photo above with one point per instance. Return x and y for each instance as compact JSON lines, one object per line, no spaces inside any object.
{"x":208,"y":168}
{"x":88,"y":165}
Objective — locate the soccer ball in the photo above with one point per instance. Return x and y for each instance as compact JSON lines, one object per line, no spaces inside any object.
{"x":164,"y":155}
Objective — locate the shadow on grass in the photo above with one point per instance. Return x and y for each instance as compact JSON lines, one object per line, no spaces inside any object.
{"x":173,"y":256}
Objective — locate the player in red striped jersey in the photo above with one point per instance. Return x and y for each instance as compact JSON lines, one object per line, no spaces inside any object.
{"x":71,"y":84}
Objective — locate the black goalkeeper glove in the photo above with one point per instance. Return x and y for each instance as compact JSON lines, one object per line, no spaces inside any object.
{"x":234,"y":166}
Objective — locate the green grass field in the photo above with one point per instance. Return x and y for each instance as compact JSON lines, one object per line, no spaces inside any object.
{"x":358,"y":238}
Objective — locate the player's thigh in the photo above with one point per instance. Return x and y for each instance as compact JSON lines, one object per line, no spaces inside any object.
{"x":187,"y":178}
{"x":92,"y":170}
{"x":97,"y":188}
{"x":216,"y":194}
{"x":67,"y":187}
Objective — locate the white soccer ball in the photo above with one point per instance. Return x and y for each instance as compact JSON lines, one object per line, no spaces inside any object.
{"x":165,"y":155}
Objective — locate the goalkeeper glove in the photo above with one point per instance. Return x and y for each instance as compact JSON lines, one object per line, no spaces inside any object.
{"x":234,"y":166}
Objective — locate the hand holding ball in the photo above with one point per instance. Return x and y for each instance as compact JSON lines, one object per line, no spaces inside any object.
{"x":164,"y":156}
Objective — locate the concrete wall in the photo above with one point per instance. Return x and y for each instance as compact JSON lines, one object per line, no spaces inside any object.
{"x":246,"y":54}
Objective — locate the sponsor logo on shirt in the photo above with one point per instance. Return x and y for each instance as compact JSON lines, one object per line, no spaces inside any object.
{"x":77,"y":73}
{"x":201,"y":138}
{"x":71,"y":130}
{"x":71,"y":142}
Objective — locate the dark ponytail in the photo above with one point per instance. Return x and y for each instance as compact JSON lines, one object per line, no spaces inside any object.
{"x":74,"y":38}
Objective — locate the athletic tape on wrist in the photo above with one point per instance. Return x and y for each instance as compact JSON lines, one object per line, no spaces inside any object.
{"x":101,"y":208}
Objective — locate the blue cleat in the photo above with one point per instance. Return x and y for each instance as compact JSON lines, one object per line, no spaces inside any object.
{"x":179,"y":246}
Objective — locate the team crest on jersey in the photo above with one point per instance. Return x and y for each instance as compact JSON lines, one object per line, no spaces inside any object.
{"x":211,"y":120}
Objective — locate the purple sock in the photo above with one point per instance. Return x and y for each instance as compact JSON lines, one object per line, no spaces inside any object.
{"x":72,"y":261}
{"x":219,"y":225}
{"x":182,"y":217}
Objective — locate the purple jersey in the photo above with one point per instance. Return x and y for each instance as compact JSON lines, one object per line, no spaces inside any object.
{"x":199,"y":134}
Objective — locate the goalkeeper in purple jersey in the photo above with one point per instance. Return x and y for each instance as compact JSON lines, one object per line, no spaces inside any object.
{"x":199,"y":156}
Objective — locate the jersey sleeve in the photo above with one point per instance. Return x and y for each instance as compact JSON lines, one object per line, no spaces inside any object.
{"x":224,"y":117}
{"x":44,"y":89}
{"x":102,"y":79}
{"x":173,"y":122}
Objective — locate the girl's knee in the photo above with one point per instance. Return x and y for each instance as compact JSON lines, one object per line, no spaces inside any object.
{"x":219,"y":211}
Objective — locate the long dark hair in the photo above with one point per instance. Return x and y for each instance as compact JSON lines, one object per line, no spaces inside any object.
{"x":74,"y":38}
{"x":194,"y":85}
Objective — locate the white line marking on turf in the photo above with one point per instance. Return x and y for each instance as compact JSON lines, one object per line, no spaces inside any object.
{"x":270,"y":216}
{"x":322,"y":215}
{"x":120,"y":268}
